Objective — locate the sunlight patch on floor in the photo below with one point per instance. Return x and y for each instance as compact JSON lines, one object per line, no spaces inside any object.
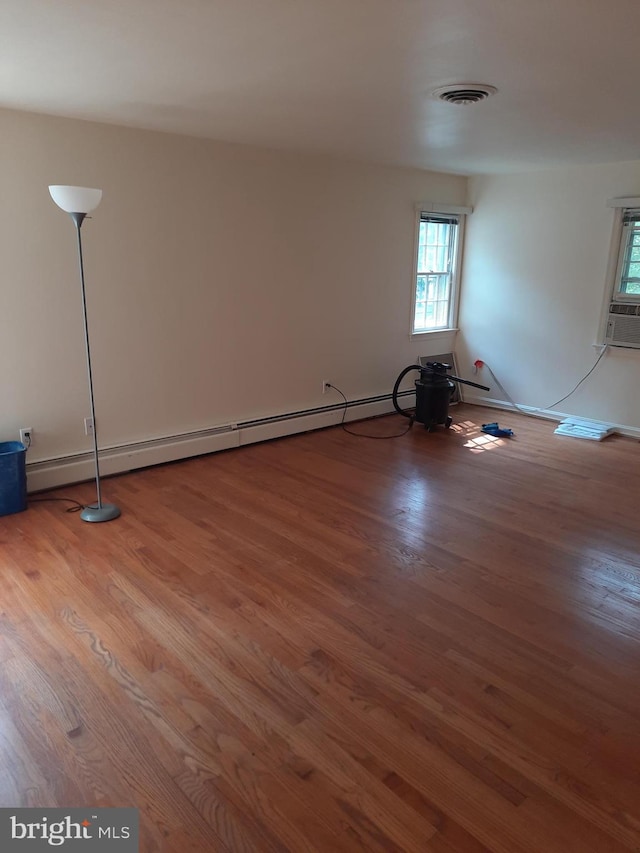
{"x":478,"y":441}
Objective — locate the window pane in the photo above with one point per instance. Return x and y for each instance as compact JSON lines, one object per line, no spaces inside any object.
{"x":434,"y":243}
{"x":432,"y":312}
{"x":444,"y":313}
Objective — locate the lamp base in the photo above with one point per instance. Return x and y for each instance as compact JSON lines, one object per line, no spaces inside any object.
{"x":106,"y":512}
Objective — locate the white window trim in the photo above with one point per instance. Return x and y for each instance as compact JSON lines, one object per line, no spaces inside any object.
{"x":632,"y":202}
{"x":463,"y":212}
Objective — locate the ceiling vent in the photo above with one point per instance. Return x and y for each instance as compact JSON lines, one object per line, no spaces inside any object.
{"x":464,"y":93}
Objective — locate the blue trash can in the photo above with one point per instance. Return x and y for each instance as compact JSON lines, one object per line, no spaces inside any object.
{"x":13,"y":477}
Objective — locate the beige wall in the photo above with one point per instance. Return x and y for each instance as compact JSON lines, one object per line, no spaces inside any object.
{"x":224,"y":282}
{"x":534,"y":278}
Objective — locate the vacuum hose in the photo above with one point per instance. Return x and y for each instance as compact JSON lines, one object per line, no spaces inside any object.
{"x":397,"y":386}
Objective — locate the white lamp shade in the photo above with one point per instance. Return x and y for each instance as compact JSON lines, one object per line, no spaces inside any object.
{"x":76,"y":199}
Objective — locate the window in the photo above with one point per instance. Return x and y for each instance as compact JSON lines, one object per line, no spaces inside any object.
{"x":435,"y":296}
{"x":627,"y":282}
{"x":620,"y":319}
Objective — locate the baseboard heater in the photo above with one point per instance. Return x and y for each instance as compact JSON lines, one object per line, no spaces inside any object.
{"x":117,"y":459}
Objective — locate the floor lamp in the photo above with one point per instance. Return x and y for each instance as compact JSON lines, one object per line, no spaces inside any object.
{"x":77,"y":202}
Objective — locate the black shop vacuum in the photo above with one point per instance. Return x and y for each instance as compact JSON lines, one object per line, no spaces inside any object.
{"x":433,"y":393}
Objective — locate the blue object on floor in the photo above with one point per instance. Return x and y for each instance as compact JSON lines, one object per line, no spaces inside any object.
{"x":496,"y":430}
{"x":13,"y":479}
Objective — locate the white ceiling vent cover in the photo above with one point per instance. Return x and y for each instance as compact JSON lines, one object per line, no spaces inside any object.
{"x":464,"y":93}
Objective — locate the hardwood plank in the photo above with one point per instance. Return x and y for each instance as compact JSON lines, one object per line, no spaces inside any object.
{"x":325,"y":643}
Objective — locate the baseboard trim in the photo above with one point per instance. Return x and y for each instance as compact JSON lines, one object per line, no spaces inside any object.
{"x":546,"y":414}
{"x":77,"y":467}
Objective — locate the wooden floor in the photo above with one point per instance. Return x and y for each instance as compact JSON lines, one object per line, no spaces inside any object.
{"x":337,"y":644}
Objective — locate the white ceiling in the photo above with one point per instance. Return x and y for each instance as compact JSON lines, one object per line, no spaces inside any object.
{"x":351,"y":77}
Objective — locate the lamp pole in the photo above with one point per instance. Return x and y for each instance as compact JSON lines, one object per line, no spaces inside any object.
{"x":72,"y":200}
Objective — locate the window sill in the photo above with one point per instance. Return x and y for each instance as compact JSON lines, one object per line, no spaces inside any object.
{"x":416,"y":336}
{"x":617,"y":351}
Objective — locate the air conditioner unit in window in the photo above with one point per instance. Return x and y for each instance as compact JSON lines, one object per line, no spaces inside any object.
{"x":623,"y":326}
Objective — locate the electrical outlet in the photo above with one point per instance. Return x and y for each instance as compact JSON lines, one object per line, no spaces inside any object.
{"x":88,"y":426}
{"x":326,"y":386}
{"x":26,"y":436}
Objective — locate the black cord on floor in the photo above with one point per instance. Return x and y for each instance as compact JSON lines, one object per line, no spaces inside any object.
{"x":364,"y":434}
{"x":77,"y":506}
